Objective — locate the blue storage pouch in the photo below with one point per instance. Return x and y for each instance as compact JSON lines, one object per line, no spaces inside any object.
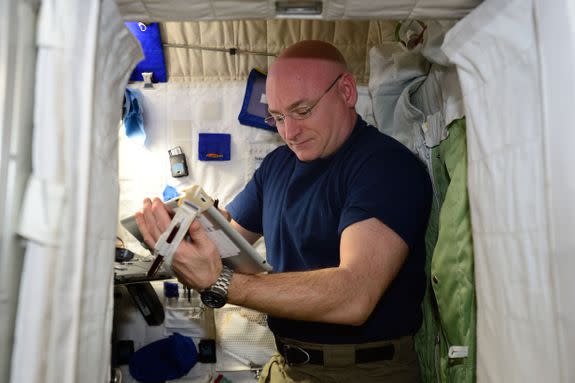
{"x":214,"y":147}
{"x":255,"y":106}
{"x":165,"y":359}
{"x":149,"y":37}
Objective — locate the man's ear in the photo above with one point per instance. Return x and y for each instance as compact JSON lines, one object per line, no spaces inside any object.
{"x":348,"y":89}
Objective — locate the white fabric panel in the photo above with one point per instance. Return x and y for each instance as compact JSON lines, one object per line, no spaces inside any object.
{"x":65,"y":309}
{"x":183,"y":10}
{"x":443,"y":9}
{"x":111,"y":76}
{"x":397,"y":9}
{"x":495,"y":50}
{"x":557,"y":57}
{"x":17,"y":60}
{"x":41,"y":216}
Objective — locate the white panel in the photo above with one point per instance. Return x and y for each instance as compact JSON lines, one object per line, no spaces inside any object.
{"x":182,"y":10}
{"x":398,"y":9}
{"x":557,"y":57}
{"x":64,"y":314}
{"x":248,"y":9}
{"x":95,"y":310}
{"x":495,"y":50}
{"x":333,"y":9}
{"x":392,"y":9}
{"x":443,"y":9}
{"x":134,"y":10}
{"x":17,"y":59}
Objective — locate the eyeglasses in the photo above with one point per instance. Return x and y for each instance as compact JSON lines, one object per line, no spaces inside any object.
{"x":300,"y":112}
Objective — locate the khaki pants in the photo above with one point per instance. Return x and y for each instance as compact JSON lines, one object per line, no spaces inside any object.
{"x":403,"y":368}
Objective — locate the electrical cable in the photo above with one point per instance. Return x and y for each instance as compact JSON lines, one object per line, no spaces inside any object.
{"x":231,"y":51}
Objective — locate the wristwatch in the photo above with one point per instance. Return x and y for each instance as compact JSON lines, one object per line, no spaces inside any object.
{"x":216,"y":295}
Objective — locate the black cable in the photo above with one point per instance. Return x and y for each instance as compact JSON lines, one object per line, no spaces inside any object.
{"x":270,"y":371}
{"x":231,"y":51}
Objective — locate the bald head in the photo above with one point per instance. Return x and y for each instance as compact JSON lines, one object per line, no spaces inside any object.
{"x":310,"y":56}
{"x":314,"y":49}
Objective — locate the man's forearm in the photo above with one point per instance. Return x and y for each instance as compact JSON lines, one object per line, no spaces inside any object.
{"x":328,"y":295}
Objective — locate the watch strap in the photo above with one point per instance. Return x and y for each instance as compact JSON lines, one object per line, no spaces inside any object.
{"x":221,"y":285}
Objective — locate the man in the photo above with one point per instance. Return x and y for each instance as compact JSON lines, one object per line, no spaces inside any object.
{"x":343,"y":211}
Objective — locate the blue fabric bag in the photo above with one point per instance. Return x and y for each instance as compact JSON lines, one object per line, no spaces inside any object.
{"x":149,"y":37}
{"x":255,"y":106}
{"x":214,"y":147}
{"x":165,"y":359}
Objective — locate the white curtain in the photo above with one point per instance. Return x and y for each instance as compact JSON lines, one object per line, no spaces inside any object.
{"x":557,"y":60}
{"x":17,"y":59}
{"x":518,"y":98}
{"x":64,"y":318}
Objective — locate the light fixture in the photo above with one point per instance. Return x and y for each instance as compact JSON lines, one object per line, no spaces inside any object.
{"x":298,"y":8}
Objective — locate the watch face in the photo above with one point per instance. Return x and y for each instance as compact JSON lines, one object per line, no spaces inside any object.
{"x":213,"y":299}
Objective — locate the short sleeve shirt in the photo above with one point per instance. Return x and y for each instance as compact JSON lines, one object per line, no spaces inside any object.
{"x":302,"y":208}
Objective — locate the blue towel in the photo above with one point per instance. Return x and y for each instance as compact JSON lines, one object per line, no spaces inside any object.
{"x":149,"y":37}
{"x":166,"y":359}
{"x":134,"y":116}
{"x":169,"y":193}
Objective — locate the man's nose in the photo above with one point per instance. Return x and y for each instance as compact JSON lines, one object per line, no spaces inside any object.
{"x":291,"y":127}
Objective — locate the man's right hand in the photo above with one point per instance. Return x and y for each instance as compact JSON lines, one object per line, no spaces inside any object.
{"x":196,"y":262}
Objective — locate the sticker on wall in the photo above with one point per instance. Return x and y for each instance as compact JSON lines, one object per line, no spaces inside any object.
{"x":214,"y":147}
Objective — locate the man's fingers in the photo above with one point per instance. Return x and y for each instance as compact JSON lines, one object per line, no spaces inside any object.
{"x":144,"y":230}
{"x":161,"y":215}
{"x":151,"y":224}
{"x":146,"y":223}
{"x":197,"y":231}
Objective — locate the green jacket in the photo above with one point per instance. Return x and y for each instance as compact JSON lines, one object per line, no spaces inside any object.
{"x":446,"y":341}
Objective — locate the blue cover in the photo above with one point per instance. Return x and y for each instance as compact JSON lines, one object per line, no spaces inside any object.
{"x":149,"y":37}
{"x":253,"y":110}
{"x":214,"y":147}
{"x":165,"y":359}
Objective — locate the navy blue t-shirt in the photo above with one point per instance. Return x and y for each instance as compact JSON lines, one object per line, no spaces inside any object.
{"x":301,"y":208}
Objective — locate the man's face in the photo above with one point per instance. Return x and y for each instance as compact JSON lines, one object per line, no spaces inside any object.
{"x":310,"y":133}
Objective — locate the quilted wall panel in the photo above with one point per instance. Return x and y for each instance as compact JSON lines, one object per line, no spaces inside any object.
{"x":258,"y":41}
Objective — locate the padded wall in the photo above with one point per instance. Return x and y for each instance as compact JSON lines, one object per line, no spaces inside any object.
{"x":265,"y":39}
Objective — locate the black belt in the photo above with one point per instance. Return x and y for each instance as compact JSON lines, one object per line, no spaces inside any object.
{"x":297,"y":355}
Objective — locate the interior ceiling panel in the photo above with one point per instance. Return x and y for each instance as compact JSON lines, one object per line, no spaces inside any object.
{"x":186,"y":10}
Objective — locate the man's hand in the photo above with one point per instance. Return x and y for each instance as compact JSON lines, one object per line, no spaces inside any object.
{"x":196,"y":262}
